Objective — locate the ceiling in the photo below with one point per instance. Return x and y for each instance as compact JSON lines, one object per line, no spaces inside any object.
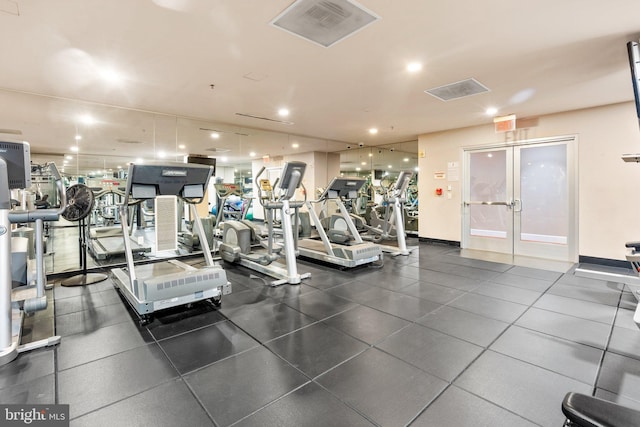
{"x":188,"y":67}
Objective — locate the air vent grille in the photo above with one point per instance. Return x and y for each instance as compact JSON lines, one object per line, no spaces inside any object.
{"x":325,"y":22}
{"x":457,"y":90}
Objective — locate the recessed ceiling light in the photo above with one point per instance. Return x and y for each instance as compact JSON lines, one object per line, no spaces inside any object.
{"x":74,"y":148}
{"x":139,"y":160}
{"x":252,"y":154}
{"x":78,"y":137}
{"x":224,"y":159}
{"x":406,"y":159}
{"x":416,"y":169}
{"x":363,"y":163}
{"x":414,"y":67}
{"x":215,"y":135}
{"x":491,"y":111}
{"x":87,"y":119}
{"x":182,"y":146}
{"x":69,"y":157}
{"x":373,"y":131}
{"x":110,"y":76}
{"x":119,"y":167}
{"x":370,"y":154}
{"x":295,"y":145}
{"x":162,"y":154}
{"x":390,"y":167}
{"x":283,"y":112}
{"x":358,"y":169}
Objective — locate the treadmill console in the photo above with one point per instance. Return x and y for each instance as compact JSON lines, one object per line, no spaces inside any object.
{"x":343,"y":187}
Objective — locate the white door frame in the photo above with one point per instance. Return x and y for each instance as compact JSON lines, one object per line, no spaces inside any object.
{"x":571,"y":252}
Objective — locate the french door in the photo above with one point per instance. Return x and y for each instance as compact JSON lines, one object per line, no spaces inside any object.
{"x":521,"y":199}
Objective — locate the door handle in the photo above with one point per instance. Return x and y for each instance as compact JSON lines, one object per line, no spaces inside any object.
{"x":507,"y":204}
{"x":517,"y":205}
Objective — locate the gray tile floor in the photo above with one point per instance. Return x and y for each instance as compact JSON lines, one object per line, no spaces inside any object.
{"x":433,"y":339}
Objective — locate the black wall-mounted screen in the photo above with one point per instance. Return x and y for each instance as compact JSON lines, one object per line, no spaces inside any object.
{"x":378,"y":174}
{"x":202,"y":160}
{"x":634,"y":63}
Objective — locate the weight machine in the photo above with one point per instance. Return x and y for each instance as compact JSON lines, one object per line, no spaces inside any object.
{"x":15,"y":173}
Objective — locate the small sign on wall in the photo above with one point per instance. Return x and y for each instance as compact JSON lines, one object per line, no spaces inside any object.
{"x":505,"y":123}
{"x":439,"y":175}
{"x":453,"y":169}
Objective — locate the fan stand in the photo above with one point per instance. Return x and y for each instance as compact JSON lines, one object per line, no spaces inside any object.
{"x":84,"y":278}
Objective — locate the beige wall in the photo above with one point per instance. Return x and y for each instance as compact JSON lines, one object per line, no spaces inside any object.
{"x":609,"y":209}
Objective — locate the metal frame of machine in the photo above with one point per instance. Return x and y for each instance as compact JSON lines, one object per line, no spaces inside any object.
{"x":266,"y":263}
{"x":165,"y":284}
{"x":15,"y":172}
{"x":348,"y":256}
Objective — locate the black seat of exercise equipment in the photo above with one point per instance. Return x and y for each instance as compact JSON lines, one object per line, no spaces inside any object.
{"x":589,"y":411}
{"x":634,"y":245}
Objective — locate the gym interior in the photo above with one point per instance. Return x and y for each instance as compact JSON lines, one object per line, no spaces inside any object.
{"x":309,"y":212}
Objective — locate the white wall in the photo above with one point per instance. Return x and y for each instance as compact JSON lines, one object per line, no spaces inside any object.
{"x":609,"y":210}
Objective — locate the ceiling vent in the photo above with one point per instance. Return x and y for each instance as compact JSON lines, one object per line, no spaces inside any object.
{"x":129,"y":141}
{"x":325,"y":22}
{"x":457,"y":90}
{"x":217,"y":150}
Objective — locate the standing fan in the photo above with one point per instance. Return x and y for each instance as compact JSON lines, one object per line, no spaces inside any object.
{"x":80,"y":200}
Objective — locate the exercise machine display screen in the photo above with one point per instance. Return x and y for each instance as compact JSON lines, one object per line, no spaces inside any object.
{"x":17,"y":155}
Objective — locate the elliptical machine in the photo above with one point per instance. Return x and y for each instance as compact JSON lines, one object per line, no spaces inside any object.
{"x":238,"y":236}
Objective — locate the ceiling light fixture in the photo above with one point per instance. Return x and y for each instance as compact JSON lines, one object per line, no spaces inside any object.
{"x":252,"y":154}
{"x":87,"y":119}
{"x":358,"y":169}
{"x":295,"y":145}
{"x":283,"y":112}
{"x":69,"y":157}
{"x":74,"y":148}
{"x":78,"y":137}
{"x":224,"y":159}
{"x":414,"y":67}
{"x":110,"y":76}
{"x":491,"y":111}
{"x":215,"y":135}
{"x":390,"y":167}
{"x":373,"y":131}
{"x":406,"y":159}
{"x":182,"y":146}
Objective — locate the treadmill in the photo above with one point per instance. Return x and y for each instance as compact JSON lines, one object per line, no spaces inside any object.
{"x":156,"y":286}
{"x":349,"y":255}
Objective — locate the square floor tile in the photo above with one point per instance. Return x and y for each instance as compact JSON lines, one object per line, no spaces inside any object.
{"x":432,"y":292}
{"x":456,"y":407}
{"x":383,"y":388}
{"x":240,"y":385}
{"x":520,"y":387}
{"x":616,"y":398}
{"x":397,"y":304}
{"x":366,"y":324}
{"x":106,"y":341}
{"x":201,"y":347}
{"x":86,"y":321}
{"x":351,"y":290}
{"x":38,"y":391}
{"x":624,"y":319}
{"x":535,"y":273}
{"x":309,"y":405}
{"x":271,"y":321}
{"x":178,"y":320}
{"x":571,"y":328}
{"x":433,"y":352}
{"x":599,"y":296}
{"x":567,"y":358}
{"x":170,"y":404}
{"x":102,"y":382}
{"x":27,"y":367}
{"x":508,"y":293}
{"x":450,"y":280}
{"x":585,"y":282}
{"x":316,"y":348}
{"x":620,"y":375}
{"x":328,"y":279}
{"x":625,"y":341}
{"x":493,"y":308}
{"x":573,"y":307}
{"x":462,"y":324}
{"x":319,"y":305}
{"x":522,"y":282}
